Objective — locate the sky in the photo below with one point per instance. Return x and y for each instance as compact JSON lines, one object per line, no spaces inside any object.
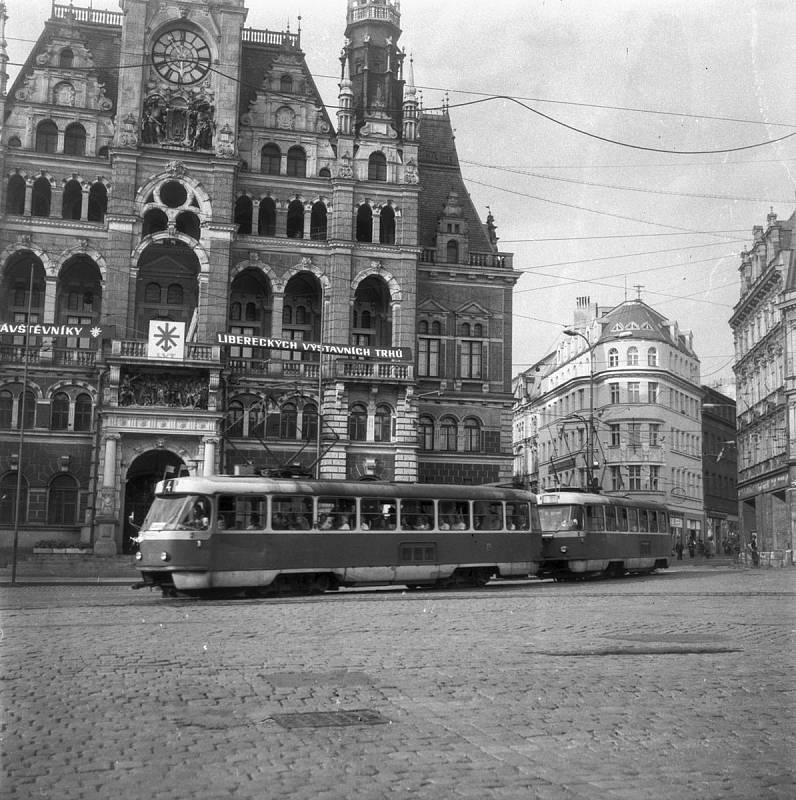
{"x":626,"y":148}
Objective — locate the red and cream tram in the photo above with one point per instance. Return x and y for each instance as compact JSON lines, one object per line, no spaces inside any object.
{"x":264,"y":534}
{"x":585,"y":534}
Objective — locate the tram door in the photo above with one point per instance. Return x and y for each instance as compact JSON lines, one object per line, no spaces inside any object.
{"x":139,"y":491}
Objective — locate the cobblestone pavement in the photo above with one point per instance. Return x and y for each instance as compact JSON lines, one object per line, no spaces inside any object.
{"x":675,"y":686}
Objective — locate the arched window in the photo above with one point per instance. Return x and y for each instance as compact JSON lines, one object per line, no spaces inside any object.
{"x":632,"y":356}
{"x":251,"y":314}
{"x":452,"y":252}
{"x":152,"y":293}
{"x":309,"y":428}
{"x":286,"y":84}
{"x":288,"y":419}
{"x":364,"y":223}
{"x":318,"y":221}
{"x":40,"y":200}
{"x":8,"y":495}
{"x":15,"y":141}
{"x":97,"y":202}
{"x":243,"y":214}
{"x":83,"y":413}
{"x":382,"y":431}
{"x":613,"y":357}
{"x":357,"y":423}
{"x":465,"y":329}
{"x":59,"y":412}
{"x":66,"y":58}
{"x":478,"y":329}
{"x":266,"y":217}
{"x":6,"y":410}
{"x":472,"y":435}
{"x":448,"y":434}
{"x":235,"y":311}
{"x":295,"y":220}
{"x":188,"y":223}
{"x":155,"y":221}
{"x":377,"y":167}
{"x":75,"y":140}
{"x":46,"y":137}
{"x":62,"y":501}
{"x":297,"y":162}
{"x":387,"y":225}
{"x":15,"y":195}
{"x":174,"y":294}
{"x":27,"y":410}
{"x":323,"y":172}
{"x":235,"y":419}
{"x":72,"y":203}
{"x":652,"y":357}
{"x":270,"y":160}
{"x":425,"y":433}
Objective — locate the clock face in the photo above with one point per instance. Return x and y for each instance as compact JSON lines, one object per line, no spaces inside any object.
{"x":181,"y":56}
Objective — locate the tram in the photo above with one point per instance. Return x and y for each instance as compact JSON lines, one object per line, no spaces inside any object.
{"x":587,"y":534}
{"x":263,"y":535}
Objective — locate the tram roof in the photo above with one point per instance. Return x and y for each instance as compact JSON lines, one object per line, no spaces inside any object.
{"x":576,"y":497}
{"x":221,"y":484}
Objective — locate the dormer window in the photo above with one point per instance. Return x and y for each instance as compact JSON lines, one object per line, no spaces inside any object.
{"x":452,"y":251}
{"x":67,"y":58}
{"x":286,"y":84}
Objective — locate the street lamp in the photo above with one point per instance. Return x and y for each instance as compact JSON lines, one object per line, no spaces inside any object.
{"x":590,"y":440}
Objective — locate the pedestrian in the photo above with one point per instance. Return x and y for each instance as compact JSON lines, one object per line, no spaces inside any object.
{"x":691,"y":547}
{"x":678,"y":548}
{"x":755,"y":551}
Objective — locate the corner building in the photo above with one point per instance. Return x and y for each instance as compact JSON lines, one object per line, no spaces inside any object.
{"x":170,"y":175}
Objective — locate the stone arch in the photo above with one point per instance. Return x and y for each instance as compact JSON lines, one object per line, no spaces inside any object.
{"x":377,"y":269}
{"x":50,"y":268}
{"x":53,"y":181}
{"x":30,"y":385}
{"x":161,"y":236}
{"x":306,"y":266}
{"x":76,"y":387}
{"x":84,"y":250}
{"x":266,"y":269}
{"x":175,"y":174}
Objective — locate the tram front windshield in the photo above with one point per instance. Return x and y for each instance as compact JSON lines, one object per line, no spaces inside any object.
{"x":561,"y":518}
{"x":181,"y":512}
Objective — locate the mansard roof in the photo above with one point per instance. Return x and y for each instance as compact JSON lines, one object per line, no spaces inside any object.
{"x":635,"y":319}
{"x":438,"y":165}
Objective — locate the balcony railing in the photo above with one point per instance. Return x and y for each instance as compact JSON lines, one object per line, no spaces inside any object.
{"x":382,"y":370}
{"x":137,"y":349}
{"x":260,"y":36}
{"x":497,"y":260}
{"x":94,"y":16}
{"x":46,"y":354}
{"x":273,"y":368}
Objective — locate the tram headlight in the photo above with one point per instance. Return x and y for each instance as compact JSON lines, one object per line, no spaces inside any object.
{"x":139,"y":556}
{"x":563,"y":548}
{"x":165,"y":556}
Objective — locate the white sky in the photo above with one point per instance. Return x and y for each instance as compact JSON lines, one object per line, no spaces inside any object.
{"x":724,"y":73}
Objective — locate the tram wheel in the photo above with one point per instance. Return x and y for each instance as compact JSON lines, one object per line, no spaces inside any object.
{"x":321,"y":584}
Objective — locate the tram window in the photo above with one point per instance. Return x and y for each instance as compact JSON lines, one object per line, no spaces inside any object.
{"x":240,"y":512}
{"x":643,"y":522}
{"x":621,"y":518}
{"x":518,"y":515}
{"x":336,"y":513}
{"x":187,"y":512}
{"x":376,"y":514}
{"x":416,"y":515}
{"x":595,"y":521}
{"x":488,"y":515}
{"x":610,"y":518}
{"x":632,"y":520}
{"x":653,"y":517}
{"x":454,"y":515}
{"x":291,"y":512}
{"x":663,"y":522}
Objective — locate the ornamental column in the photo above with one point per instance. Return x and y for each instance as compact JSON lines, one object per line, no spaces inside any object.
{"x":107,"y":513}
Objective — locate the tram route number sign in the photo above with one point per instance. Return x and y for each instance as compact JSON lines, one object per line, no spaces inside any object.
{"x":351,"y":351}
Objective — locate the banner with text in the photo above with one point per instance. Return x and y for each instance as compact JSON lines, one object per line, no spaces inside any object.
{"x":38,"y":329}
{"x":352,"y":351}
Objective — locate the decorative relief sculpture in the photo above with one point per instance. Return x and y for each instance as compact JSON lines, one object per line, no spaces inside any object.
{"x":145,"y":389}
{"x":175,"y":121}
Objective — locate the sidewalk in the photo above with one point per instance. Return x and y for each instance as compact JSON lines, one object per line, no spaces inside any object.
{"x":69,"y":569}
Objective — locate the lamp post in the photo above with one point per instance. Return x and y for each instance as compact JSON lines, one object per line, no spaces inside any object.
{"x":590,"y":440}
{"x":21,"y":422}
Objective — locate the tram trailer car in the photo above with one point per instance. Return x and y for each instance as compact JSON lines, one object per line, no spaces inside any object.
{"x":587,"y":534}
{"x":263,"y":535}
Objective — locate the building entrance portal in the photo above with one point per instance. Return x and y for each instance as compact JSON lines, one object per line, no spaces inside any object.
{"x":139,"y":490}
